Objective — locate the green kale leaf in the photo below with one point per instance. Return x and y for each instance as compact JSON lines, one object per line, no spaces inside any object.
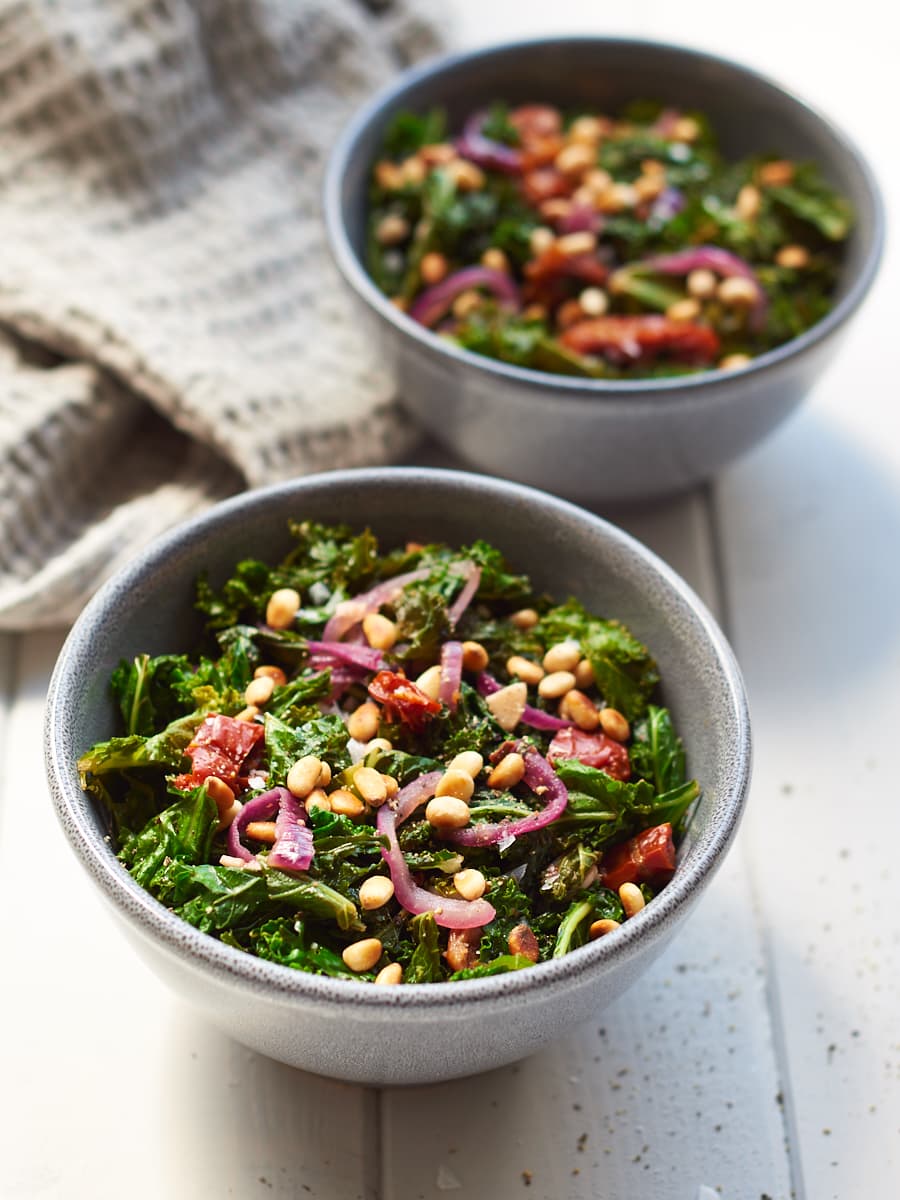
{"x":425,"y":963}
{"x":657,"y":753}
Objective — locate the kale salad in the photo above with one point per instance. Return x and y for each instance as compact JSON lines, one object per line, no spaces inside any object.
{"x":398,"y":766}
{"x":606,"y":247}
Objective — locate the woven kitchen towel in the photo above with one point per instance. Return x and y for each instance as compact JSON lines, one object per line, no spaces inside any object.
{"x":172,"y":328}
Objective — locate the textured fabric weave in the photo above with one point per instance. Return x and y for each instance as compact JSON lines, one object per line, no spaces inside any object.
{"x":171,"y":327}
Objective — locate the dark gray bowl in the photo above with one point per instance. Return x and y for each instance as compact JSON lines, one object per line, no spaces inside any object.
{"x":593,"y":439}
{"x":416,"y":1033}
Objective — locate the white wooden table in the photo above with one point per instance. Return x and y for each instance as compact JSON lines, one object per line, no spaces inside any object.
{"x":761,"y":1055}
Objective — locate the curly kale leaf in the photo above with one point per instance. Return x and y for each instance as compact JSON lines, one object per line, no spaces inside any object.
{"x":291,"y":943}
{"x":624,"y":670}
{"x":182,"y":833}
{"x":425,"y":963}
{"x":657,"y":753}
{"x":497,"y":966}
{"x":326,"y":737}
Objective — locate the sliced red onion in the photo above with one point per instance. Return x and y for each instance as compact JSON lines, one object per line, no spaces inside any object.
{"x":357,"y":656}
{"x":351,"y":612}
{"x":472,"y":574}
{"x":448,"y":911}
{"x":668,"y":204}
{"x":580,"y":218}
{"x":451,"y":674}
{"x":484,"y":151}
{"x":538,"y":774}
{"x":342,"y":677}
{"x":293,"y":849}
{"x":260,"y":808}
{"x":435,"y":301}
{"x":712,"y":258}
{"x":536,"y":718}
{"x":664,"y":124}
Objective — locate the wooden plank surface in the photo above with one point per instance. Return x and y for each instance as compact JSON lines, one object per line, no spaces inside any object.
{"x":119,"y":1089}
{"x":672,"y":1090}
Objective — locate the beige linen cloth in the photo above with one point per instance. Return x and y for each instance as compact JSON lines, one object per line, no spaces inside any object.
{"x":171,"y":328}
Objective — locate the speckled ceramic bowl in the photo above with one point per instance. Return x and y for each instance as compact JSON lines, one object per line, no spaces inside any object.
{"x":601,"y":439}
{"x":417,"y":1033}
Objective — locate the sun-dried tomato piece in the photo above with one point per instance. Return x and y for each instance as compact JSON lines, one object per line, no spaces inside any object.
{"x":535,"y":121}
{"x":628,"y":339}
{"x":552,"y":263}
{"x":649,"y":857}
{"x":592,"y":749}
{"x":220,"y":747}
{"x":403,"y":700}
{"x":544,"y":183}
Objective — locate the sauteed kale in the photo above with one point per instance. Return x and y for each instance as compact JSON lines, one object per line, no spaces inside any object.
{"x":399,"y":766}
{"x":606,"y":247}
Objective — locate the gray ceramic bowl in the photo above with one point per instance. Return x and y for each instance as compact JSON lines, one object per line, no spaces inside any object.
{"x":416,"y":1033}
{"x":596,"y":439}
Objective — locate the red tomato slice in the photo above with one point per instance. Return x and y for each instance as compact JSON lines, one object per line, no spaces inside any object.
{"x":592,"y":749}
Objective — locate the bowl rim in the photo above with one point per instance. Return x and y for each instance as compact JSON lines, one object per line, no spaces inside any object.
{"x":632,"y":392}
{"x":169,"y":933}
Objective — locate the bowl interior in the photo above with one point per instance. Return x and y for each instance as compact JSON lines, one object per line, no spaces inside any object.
{"x":148,"y":607}
{"x":750,"y":114}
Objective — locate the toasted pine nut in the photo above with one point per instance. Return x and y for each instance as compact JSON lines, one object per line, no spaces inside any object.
{"x":275,"y":673}
{"x":345,"y":804}
{"x":370,"y":785}
{"x":617,"y":197}
{"x":250,"y":713}
{"x":283,"y":606}
{"x":541,"y":239}
{"x":586,"y":129}
{"x":564,"y":656}
{"x":475,"y":657}
{"x":795,"y":257}
{"x":652,"y":166}
{"x":521,"y":940}
{"x":433,"y":267}
{"x":304,"y":776}
{"x":576,"y":706}
{"x":701,"y":284}
{"x":380,"y":744}
{"x":602,"y":927}
{"x":524,"y":669}
{"x":632,"y":898}
{"x":572,"y":244}
{"x":227,"y":815}
{"x":318,"y":798}
{"x":261,"y":831}
{"x":466,"y":303}
{"x":436,"y":154}
{"x":594,"y":301}
{"x":430,"y":682}
{"x":413,"y":170}
{"x":599,"y":181}
{"x":388,"y":176}
{"x":525,"y":618}
{"x":220,"y":793}
{"x":401,"y":303}
{"x":776,"y":174}
{"x":379,"y":631}
{"x":614,"y":724}
{"x":555,"y":685}
{"x":447,"y":812}
{"x":686,"y":129}
{"x":469,"y":761}
{"x":737,"y":292}
{"x":648,"y":187}
{"x":391,"y":786}
{"x":363,"y":955}
{"x":534,"y":312}
{"x":470,"y":883}
{"x":324,"y":776}
{"x":495,"y":259}
{"x":375,"y":891}
{"x":259,"y":691}
{"x":684,"y":310}
{"x":392,"y":229}
{"x":575,"y":159}
{"x":733,"y":362}
{"x":507,"y":773}
{"x":362,"y":724}
{"x":389,"y":975}
{"x":508,"y":704}
{"x":748,"y":202}
{"x":466,"y":176}
{"x":228,"y":860}
{"x":455,"y":783}
{"x":584,"y":674}
{"x":557,"y":208}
